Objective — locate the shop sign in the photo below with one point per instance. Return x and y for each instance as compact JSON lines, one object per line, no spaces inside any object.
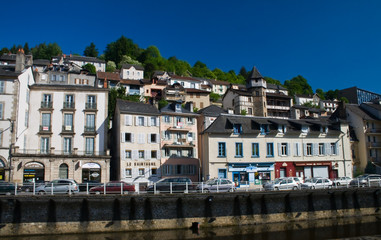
{"x":313,"y":164}
{"x":34,"y":165}
{"x":95,"y":174}
{"x":91,"y":165}
{"x":141,"y":164}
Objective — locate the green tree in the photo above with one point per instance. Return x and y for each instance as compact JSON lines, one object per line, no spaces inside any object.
{"x":91,"y":51}
{"x":26,"y":48}
{"x":331,"y":94}
{"x":90,"y":67}
{"x":123,"y":46}
{"x":128,"y":60}
{"x":244,"y":73}
{"x":298,"y":85}
{"x":43,"y":51}
{"x":149,"y":53}
{"x":344,"y":99}
{"x":272,"y":81}
{"x":179,"y":67}
{"x":214,"y":97}
{"x":162,"y":103}
{"x":4,"y":51}
{"x":320,"y":93}
{"x":110,"y":66}
{"x":243,"y":112}
{"x":201,"y":70}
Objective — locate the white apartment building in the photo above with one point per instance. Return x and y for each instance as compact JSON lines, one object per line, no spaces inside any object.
{"x":256,"y":149}
{"x":136,"y":151}
{"x":65,"y":135}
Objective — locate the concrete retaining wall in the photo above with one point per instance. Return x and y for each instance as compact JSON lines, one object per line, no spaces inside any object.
{"x":26,"y":215}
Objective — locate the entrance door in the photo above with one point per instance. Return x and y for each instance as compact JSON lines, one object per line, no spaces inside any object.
{"x":299,"y":172}
{"x":236,"y":178}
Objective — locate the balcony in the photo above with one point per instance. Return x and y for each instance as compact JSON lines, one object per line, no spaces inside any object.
{"x":180,"y":143}
{"x":178,"y":128}
{"x":46,"y":105}
{"x":69,"y":105}
{"x":67,"y":129}
{"x":275,"y":107}
{"x":89,"y":129}
{"x":373,"y":145}
{"x":46,"y":129}
{"x":134,"y":92}
{"x":91,"y":106}
{"x":52,"y":151}
{"x":373,"y":130}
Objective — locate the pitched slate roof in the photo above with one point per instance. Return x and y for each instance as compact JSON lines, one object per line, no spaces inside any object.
{"x":136,"y":107}
{"x":194,"y":90}
{"x":109,"y":76}
{"x":275,"y":86}
{"x":211,"y":111}
{"x":185,"y":78}
{"x":128,"y":66}
{"x":218,"y":82}
{"x":360,"y":112}
{"x":84,"y":59}
{"x":170,"y":108}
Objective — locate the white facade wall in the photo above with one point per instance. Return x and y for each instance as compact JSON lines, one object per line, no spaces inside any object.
{"x":98,"y":66}
{"x":132,"y":73}
{"x":186,"y":83}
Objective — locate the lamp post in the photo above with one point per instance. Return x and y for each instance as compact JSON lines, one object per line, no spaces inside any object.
{"x":10,"y":148}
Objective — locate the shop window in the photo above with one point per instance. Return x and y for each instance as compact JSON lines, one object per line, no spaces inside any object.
{"x":63,"y":171}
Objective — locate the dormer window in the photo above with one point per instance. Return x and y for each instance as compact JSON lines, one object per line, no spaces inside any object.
{"x":324,"y":129}
{"x":237,"y":129}
{"x":282,"y":128}
{"x":178,"y":107}
{"x":305,"y":129}
{"x":264,"y":129}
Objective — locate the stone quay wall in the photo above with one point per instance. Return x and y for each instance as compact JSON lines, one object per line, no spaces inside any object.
{"x":36,"y":215}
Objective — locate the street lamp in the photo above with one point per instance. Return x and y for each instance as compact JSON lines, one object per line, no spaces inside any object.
{"x":10,"y":148}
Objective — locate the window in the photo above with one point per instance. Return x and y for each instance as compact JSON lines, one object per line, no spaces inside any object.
{"x":141,"y":153}
{"x":264,"y":129}
{"x":89,"y":145}
{"x":153,"y":154}
{"x":140,"y":121}
{"x":2,"y":86}
{"x":141,"y":171}
{"x":309,"y":149}
{"x":127,"y":154}
{"x":126,"y":137}
{"x":166,"y":152}
{"x":250,"y":110}
{"x":321,"y":148}
{"x":45,"y":122}
{"x":237,"y":128}
{"x":153,"y":138}
{"x":68,"y":121}
{"x":63,"y":171}
{"x":167,"y":119}
{"x":1,"y":110}
{"x":69,"y":101}
{"x":178,"y":107}
{"x":333,"y":149}
{"x":167,"y":135}
{"x":282,"y":128}
{"x":221,"y":149}
{"x":90,"y":123}
{"x":153,"y":171}
{"x":255,"y":149}
{"x":67,"y":145}
{"x":128,"y":172}
{"x":153,"y":121}
{"x":44,"y":148}
{"x":238,"y":150}
{"x":190,"y":120}
{"x":270,"y":149}
{"x":91,"y":102}
{"x":283,"y":149}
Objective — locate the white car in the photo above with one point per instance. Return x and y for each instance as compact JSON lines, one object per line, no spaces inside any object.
{"x":315,"y":183}
{"x":217,"y":185}
{"x":58,"y":186}
{"x":342,"y":181}
{"x":288,"y":183}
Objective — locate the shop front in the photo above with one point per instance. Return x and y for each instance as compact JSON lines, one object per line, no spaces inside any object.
{"x":91,"y":172}
{"x":2,"y":170}
{"x":244,"y":174}
{"x":304,"y":169}
{"x":34,"y":172}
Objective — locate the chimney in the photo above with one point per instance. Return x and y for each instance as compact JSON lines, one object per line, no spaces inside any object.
{"x":20,"y":61}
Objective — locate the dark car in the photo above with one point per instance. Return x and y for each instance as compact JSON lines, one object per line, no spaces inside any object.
{"x":113,"y":187}
{"x":85,"y":186}
{"x":168,"y":185}
{"x":28,"y":186}
{"x":366,"y":180}
{"x":7,"y":188}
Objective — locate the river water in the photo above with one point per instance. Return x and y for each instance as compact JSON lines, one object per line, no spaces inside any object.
{"x":344,"y":228}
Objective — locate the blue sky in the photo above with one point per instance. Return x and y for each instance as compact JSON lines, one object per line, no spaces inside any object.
{"x":333,"y":44}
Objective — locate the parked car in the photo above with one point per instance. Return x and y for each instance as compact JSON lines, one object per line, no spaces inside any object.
{"x":366,"y":180}
{"x":7,"y":188}
{"x":179,"y":184}
{"x":317,"y":182}
{"x":288,"y":183}
{"x":28,"y":186}
{"x":85,"y":186}
{"x":342,"y":181}
{"x":59,"y":186}
{"x":217,"y":185}
{"x":113,"y":187}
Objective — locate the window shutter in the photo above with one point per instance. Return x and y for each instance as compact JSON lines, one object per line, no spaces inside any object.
{"x":136,"y":120}
{"x":327,"y":149}
{"x":149,"y":121}
{"x":129,"y":118}
{"x":146,"y":154}
{"x":305,"y":149}
{"x":125,"y":120}
{"x":149,"y":138}
{"x":315,"y":149}
{"x":132,"y":138}
{"x":337,"y":148}
{"x":145,"y":121}
{"x":288,"y":150}
{"x":158,"y":154}
{"x":134,"y":154}
{"x":157,"y":138}
{"x":123,"y":137}
{"x":296,"y":149}
{"x":157,"y":121}
{"x":279,"y":149}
